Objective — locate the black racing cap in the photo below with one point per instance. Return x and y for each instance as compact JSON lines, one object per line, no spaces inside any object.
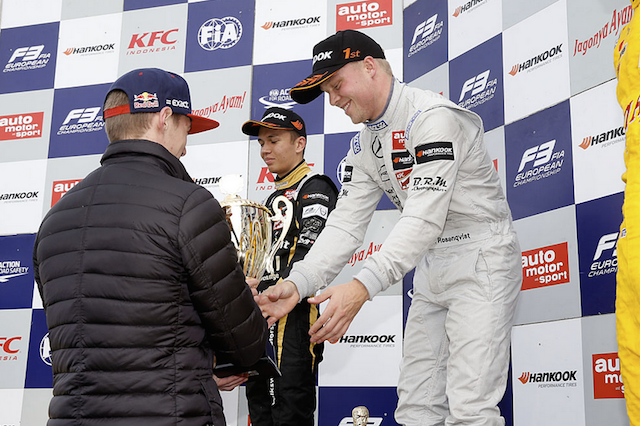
{"x":276,"y":118}
{"x":329,"y":56}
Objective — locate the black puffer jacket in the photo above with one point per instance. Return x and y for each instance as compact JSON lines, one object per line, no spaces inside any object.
{"x":141,"y":287}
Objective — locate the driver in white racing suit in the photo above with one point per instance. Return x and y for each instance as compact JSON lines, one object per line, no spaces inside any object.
{"x":429,"y":157}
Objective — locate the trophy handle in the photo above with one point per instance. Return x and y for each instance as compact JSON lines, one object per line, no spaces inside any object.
{"x":286,"y":224}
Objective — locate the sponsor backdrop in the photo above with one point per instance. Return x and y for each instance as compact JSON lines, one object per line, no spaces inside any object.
{"x":540,"y":74}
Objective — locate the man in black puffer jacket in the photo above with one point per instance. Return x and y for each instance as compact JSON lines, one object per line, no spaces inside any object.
{"x":140,"y":281}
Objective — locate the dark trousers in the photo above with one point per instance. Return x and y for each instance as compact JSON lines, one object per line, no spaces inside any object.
{"x":289,"y":400}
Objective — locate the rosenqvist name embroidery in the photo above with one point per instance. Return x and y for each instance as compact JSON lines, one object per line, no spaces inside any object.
{"x":453,"y":238}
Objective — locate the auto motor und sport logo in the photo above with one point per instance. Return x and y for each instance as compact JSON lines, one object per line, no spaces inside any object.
{"x":607,"y":380}
{"x":220,"y":33}
{"x":364,"y":14}
{"x":545,"y":266}
{"x":21,"y":126}
{"x":61,"y":187}
{"x":425,"y":34}
{"x":156,"y":41}
{"x":27,"y":58}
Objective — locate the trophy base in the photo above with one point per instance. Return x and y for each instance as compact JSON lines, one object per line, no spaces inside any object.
{"x":264,"y":367}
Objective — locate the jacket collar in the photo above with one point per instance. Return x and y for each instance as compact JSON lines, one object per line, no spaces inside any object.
{"x":145,"y":151}
{"x":386,"y":118}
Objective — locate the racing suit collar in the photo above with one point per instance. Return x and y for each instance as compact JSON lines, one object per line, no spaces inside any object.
{"x":382,"y":122}
{"x":293,"y":177}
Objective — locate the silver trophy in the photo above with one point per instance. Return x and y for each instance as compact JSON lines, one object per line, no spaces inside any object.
{"x":251,"y":226}
{"x":360,"y":416}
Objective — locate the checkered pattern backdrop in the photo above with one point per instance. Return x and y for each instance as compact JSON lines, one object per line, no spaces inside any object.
{"x":539,"y":73}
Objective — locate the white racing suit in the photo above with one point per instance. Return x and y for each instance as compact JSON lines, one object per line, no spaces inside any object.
{"x":428,"y":155}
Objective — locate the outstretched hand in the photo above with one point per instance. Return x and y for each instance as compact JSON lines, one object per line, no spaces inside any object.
{"x":231,"y":382}
{"x":345,"y":301}
{"x":277,"y":301}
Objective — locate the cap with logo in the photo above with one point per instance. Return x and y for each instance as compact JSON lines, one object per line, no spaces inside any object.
{"x":151,"y":89}
{"x":278,"y":119}
{"x":329,"y":56}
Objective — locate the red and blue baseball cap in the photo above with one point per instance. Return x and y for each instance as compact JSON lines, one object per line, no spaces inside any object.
{"x":151,"y":89}
{"x":329,"y":56}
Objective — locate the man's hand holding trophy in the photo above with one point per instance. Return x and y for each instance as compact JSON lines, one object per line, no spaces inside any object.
{"x":251,"y":224}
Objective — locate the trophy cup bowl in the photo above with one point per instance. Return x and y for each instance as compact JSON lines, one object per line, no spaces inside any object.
{"x":251,"y":226}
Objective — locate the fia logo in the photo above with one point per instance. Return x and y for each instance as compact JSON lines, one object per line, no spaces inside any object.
{"x":220,"y":33}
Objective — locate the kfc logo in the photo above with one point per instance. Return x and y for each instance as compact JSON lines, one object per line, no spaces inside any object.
{"x":156,"y":41}
{"x":9,"y":348}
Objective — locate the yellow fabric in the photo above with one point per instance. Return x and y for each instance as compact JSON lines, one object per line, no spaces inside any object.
{"x":626,"y":61}
{"x":293,"y":176}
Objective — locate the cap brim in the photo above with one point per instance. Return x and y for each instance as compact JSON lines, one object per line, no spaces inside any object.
{"x":252,"y":128}
{"x":309,"y":88}
{"x":201,"y":124}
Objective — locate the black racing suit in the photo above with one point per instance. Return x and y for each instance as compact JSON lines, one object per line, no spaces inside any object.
{"x":291,"y":399}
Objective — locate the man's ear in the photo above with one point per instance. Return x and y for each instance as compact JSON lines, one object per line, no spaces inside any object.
{"x":370,"y":65}
{"x":165,"y":114}
{"x":301,"y":143}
